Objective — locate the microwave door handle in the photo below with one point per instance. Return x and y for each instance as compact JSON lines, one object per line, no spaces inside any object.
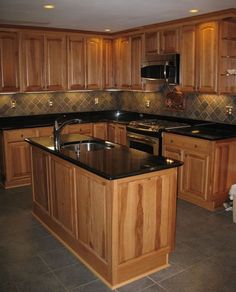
{"x":141,"y":139}
{"x":165,"y":73}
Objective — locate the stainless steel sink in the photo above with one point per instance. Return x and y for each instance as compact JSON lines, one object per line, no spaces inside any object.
{"x":88,"y":145}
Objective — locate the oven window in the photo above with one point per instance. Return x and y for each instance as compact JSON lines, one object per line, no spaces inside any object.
{"x":141,"y":146}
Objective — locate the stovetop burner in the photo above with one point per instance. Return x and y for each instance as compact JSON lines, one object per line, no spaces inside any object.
{"x":154,"y":125}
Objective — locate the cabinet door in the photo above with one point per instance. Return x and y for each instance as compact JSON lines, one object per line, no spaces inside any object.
{"x":187,"y":58}
{"x":196,"y":175}
{"x":107,"y":59}
{"x":100,"y":130}
{"x":76,"y":62}
{"x":63,"y":193}
{"x":9,"y":62}
{"x":170,"y":41}
{"x":125,"y":63}
{"x":94,"y":63}
{"x":40,"y":179}
{"x":33,"y":61}
{"x":152,"y":43}
{"x":111,"y":132}
{"x":136,"y":59}
{"x":18,"y":171}
{"x":116,"y":62}
{"x":121,"y":134}
{"x":56,"y":78}
{"x":207,"y":57}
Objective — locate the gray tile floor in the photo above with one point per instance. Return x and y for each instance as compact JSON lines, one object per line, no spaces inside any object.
{"x":32,"y":260}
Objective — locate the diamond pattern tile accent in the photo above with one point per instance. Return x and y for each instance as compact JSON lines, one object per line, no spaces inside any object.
{"x":198,"y":106}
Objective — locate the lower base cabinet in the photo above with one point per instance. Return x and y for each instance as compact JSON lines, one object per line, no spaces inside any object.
{"x":122,"y":229}
{"x":209,"y":168}
{"x":117,"y":133}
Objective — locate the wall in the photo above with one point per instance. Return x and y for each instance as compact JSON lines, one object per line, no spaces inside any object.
{"x":202,"y":107}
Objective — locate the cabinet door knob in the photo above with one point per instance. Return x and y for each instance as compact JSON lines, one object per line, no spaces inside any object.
{"x":171,"y":141}
{"x":195,"y":146}
{"x":22,"y":135}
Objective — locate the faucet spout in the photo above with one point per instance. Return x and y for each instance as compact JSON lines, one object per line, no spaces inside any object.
{"x":57,"y":128}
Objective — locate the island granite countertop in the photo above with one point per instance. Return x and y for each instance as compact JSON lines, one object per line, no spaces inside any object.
{"x":111,"y":163}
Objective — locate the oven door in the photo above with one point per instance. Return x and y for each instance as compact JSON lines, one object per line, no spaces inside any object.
{"x":143,"y":143}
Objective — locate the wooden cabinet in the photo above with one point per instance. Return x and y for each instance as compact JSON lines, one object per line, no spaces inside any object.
{"x":63,"y":193}
{"x":17,"y":157}
{"x":76,"y":62}
{"x":136,"y":59}
{"x":122,"y":63}
{"x":169,"y":41}
{"x":55,"y":54}
{"x":188,"y":58}
{"x":117,"y":133}
{"x":122,"y":229}
{"x":107,"y":63}
{"x":100,"y":130}
{"x":207,"y":57}
{"x":9,"y":62}
{"x":94,"y":63}
{"x":208,"y":170}
{"x":33,"y":60}
{"x":83,"y":129}
{"x":152,"y":43}
{"x":227,"y":57}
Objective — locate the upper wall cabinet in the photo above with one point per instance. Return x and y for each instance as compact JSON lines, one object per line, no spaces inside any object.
{"x":56,"y":77}
{"x":76,"y":62}
{"x":107,"y":61}
{"x":33,"y":69}
{"x":94,"y":63}
{"x":136,"y":59}
{"x":207,"y":57}
{"x":9,"y":62}
{"x":169,"y":41}
{"x":125,"y":63}
{"x":187,"y":58}
{"x":227,"y":57}
{"x":152,"y":43}
{"x":43,"y":62}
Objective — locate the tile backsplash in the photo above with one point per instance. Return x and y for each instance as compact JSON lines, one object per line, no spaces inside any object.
{"x":198,"y":106}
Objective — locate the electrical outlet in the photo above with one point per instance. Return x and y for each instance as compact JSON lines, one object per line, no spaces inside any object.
{"x":229,"y":109}
{"x":148,"y":103}
{"x":96,"y":100}
{"x":13,"y":103}
{"x":50,"y":103}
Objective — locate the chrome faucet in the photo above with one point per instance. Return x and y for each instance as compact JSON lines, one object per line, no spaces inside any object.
{"x":57,"y":131}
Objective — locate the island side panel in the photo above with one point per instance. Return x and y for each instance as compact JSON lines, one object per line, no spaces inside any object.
{"x":145,"y":223}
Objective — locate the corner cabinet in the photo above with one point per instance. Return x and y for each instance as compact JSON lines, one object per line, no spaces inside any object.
{"x":9,"y":61}
{"x":207,"y":57}
{"x":208,"y":170}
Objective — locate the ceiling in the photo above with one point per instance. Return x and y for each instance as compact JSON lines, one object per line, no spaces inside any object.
{"x":97,"y":15}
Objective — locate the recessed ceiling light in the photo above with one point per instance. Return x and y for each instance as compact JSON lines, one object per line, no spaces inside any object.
{"x":193,"y":10}
{"x":107,"y":29}
{"x":49,"y":6}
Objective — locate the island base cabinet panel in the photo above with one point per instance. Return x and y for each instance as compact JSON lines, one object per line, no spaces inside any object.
{"x":120,"y":229}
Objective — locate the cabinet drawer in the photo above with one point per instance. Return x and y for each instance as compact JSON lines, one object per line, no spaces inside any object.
{"x":187,"y":142}
{"x":85,"y":129}
{"x":19,"y":135}
{"x":44,"y":131}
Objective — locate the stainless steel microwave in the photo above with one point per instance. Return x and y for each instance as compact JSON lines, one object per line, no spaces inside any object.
{"x":162,"y":67}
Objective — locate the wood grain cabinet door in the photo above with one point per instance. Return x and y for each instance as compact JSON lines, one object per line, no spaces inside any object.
{"x":100,"y":130}
{"x":76,"y":62}
{"x":125,"y":63}
{"x":63,"y":194}
{"x":152,"y":43}
{"x":187,"y":58}
{"x":136,"y":59}
{"x":170,"y":41}
{"x":33,"y":69}
{"x":94,"y":63}
{"x":107,"y":61}
{"x":56,"y":77}
{"x":111,"y":132}
{"x":9,"y":62}
{"x":207,"y":57}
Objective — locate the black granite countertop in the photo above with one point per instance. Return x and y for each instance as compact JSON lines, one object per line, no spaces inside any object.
{"x":111,"y":163}
{"x":212,"y":131}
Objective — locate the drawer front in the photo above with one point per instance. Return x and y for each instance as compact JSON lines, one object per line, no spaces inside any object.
{"x":80,"y":129}
{"x":19,"y":135}
{"x":44,"y":131}
{"x":187,"y":142}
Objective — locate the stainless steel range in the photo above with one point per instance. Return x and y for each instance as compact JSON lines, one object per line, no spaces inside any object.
{"x":146,"y":135}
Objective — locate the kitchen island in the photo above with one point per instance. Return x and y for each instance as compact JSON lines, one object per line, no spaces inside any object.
{"x":114,"y":208}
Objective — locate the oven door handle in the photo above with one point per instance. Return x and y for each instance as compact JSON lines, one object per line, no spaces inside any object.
{"x":142,"y":139}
